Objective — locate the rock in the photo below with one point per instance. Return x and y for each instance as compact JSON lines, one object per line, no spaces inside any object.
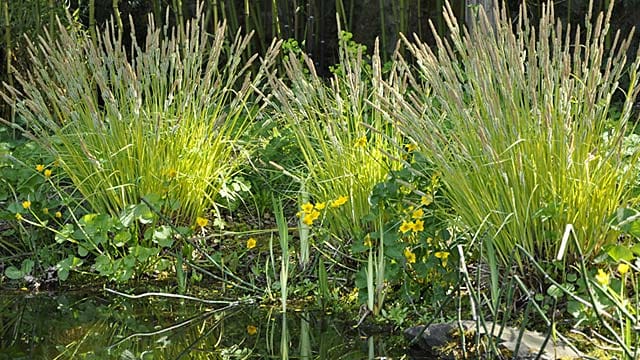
{"x":432,"y":339}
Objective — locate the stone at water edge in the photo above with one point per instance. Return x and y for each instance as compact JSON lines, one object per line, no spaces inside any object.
{"x":437,"y":335}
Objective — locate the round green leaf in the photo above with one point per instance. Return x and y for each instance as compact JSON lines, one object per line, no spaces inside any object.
{"x":13,"y":273}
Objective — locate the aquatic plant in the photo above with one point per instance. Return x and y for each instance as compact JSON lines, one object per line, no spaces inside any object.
{"x":342,"y":137}
{"x":516,"y":122}
{"x":121,"y":131}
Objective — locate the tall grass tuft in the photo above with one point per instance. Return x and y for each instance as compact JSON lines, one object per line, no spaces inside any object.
{"x":164,"y":118}
{"x":333,"y":124}
{"x":516,"y":121}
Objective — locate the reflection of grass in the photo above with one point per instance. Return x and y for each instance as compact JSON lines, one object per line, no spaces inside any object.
{"x":86,"y":328}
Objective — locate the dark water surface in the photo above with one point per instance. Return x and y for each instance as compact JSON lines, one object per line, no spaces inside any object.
{"x":100,"y":325}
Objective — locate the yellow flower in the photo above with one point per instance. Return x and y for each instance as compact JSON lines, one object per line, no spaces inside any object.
{"x":320,"y":206}
{"x":39,"y":167}
{"x":251,"y":330}
{"x":361,"y":142}
{"x":202,"y":222}
{"x":367,"y":241}
{"x":623,"y":268}
{"x":251,"y":243}
{"x":417,"y":214}
{"x":411,"y":257}
{"x":45,"y":211}
{"x":58,"y":214}
{"x":406,"y":226}
{"x":172,"y":173}
{"x":418,"y":226}
{"x":311,"y":217}
{"x":307,"y":208}
{"x":426,"y":200}
{"x":19,"y":217}
{"x":443,"y":256}
{"x":47,"y":173}
{"x":339,"y":201}
{"x":26,"y":204}
{"x":411,"y":147}
{"x":602,"y":277}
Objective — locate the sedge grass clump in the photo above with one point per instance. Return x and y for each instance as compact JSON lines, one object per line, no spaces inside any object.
{"x":342,"y":138}
{"x":164,"y":118}
{"x":515,"y":122}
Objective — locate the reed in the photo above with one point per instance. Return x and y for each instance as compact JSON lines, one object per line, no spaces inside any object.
{"x":524,"y":150}
{"x":121,"y":131}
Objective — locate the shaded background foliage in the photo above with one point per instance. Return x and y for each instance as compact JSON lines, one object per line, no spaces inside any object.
{"x":311,"y":22}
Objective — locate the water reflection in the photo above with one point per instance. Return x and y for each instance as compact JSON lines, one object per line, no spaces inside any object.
{"x":102,"y":326}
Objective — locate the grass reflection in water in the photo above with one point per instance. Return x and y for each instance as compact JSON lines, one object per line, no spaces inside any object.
{"x":106,"y":326}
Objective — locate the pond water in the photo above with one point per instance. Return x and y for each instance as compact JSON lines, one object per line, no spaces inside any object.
{"x":101,"y":325}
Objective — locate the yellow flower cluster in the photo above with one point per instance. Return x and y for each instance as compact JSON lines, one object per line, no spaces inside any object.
{"x":339,"y":201}
{"x":41,"y":168}
{"x":414,"y":226}
{"x":310,"y":212}
{"x":604,"y":277}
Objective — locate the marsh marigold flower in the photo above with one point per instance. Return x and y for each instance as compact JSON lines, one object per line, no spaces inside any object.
{"x":39,"y":167}
{"x":307,"y":208}
{"x":443,"y":256}
{"x":309,"y":218}
{"x":418,"y":226}
{"x":417,"y":214}
{"x":58,"y":214}
{"x":426,"y":200}
{"x":251,"y":243}
{"x":339,"y":201}
{"x":202,"y":222}
{"x":410,"y":256}
{"x":47,"y":173}
{"x":623,"y":268}
{"x":19,"y":217}
{"x":406,"y":226}
{"x":320,"y":206}
{"x":251,"y":330}
{"x":26,"y":204}
{"x":411,"y":147}
{"x":602,"y":277}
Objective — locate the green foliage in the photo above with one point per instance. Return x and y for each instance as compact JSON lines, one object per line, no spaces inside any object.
{"x":165,"y":119}
{"x":514,"y":122}
{"x":35,"y":201}
{"x":119,"y":249}
{"x":412,"y":242}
